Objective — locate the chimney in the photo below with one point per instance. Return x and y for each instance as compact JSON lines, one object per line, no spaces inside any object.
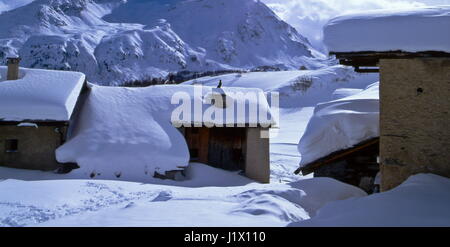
{"x":13,"y":68}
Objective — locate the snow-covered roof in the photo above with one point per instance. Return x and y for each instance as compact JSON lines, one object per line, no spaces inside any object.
{"x":341,"y":124}
{"x":220,"y":106}
{"x":407,"y":30}
{"x":41,"y":95}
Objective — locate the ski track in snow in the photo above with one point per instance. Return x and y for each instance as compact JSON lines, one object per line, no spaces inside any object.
{"x":22,"y":214}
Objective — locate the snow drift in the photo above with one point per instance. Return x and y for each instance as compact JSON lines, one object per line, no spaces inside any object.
{"x":79,"y":202}
{"x":341,"y":124}
{"x":390,"y":30}
{"x":423,"y":200}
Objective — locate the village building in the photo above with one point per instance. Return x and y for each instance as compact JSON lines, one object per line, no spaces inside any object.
{"x":341,"y":140}
{"x":414,"y":67}
{"x":414,"y":112}
{"x":36,"y":111}
{"x":234,"y":140}
{"x":357,"y":165}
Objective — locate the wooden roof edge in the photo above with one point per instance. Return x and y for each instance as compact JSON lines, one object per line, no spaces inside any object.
{"x":310,"y":167}
{"x":390,"y":54}
{"x":363,"y":60}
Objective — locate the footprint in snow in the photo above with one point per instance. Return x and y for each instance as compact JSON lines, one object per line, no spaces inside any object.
{"x":163,"y":196}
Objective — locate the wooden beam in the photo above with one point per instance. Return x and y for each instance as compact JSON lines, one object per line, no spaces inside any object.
{"x":372,"y":58}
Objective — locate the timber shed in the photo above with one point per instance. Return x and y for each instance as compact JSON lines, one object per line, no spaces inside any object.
{"x":36,"y":108}
{"x":237,"y":137}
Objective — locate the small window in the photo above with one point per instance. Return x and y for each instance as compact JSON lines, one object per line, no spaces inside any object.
{"x":12,"y":146}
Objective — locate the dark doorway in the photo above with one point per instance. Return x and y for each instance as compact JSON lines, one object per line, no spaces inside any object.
{"x":225,"y":149}
{"x":219,"y":147}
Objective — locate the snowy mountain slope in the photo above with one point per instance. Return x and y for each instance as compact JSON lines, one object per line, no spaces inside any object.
{"x":113,"y":41}
{"x":299,"y":88}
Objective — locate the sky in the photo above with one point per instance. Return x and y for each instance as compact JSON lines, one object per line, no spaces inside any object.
{"x":307,"y":16}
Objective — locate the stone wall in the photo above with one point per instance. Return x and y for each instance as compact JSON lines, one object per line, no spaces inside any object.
{"x":415,"y":118}
{"x":35,"y":146}
{"x":257,"y":165}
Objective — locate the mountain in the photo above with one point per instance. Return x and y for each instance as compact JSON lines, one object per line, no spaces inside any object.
{"x":114,"y":41}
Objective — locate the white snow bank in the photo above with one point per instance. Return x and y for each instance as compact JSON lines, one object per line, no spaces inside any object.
{"x":307,"y":195}
{"x":59,"y":201}
{"x":422,"y":200}
{"x":196,"y":175}
{"x":39,"y":94}
{"x":409,"y":30}
{"x":341,"y":124}
{"x":128,"y":133}
{"x":320,"y":191}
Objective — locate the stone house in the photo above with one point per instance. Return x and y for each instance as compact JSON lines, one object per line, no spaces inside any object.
{"x":36,"y":111}
{"x":414,"y":111}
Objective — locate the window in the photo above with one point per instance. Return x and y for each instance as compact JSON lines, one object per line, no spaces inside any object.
{"x":11,"y":145}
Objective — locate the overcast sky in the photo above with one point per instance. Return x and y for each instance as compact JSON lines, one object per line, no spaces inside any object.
{"x":307,"y":16}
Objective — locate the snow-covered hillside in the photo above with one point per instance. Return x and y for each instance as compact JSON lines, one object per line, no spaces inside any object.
{"x":297,"y":88}
{"x":113,"y":41}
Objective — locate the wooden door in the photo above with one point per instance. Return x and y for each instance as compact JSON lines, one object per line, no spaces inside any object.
{"x":225,"y":149}
{"x":197,"y":141}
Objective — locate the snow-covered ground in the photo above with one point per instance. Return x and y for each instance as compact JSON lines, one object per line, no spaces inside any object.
{"x":422,"y":200}
{"x":67,"y":202}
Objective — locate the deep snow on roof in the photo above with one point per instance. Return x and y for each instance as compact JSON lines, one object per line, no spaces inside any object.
{"x":341,"y":124}
{"x":39,"y":95}
{"x":407,"y":30}
{"x":218,"y":107}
